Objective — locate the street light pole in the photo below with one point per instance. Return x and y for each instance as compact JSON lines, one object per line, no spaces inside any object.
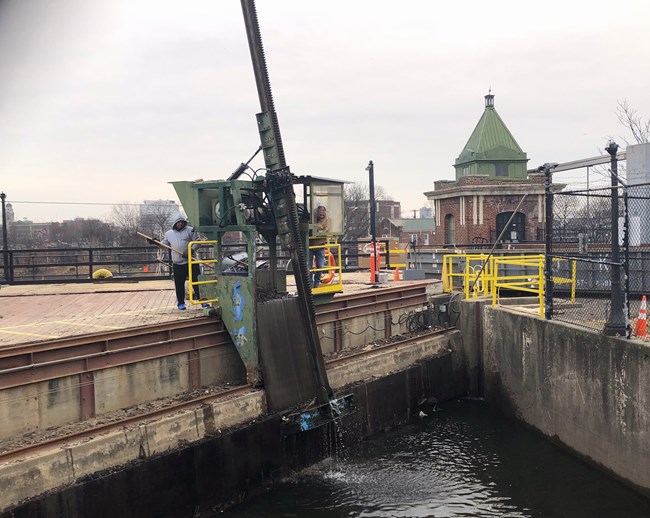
{"x":616,"y":324}
{"x":374,"y":263}
{"x":5,"y":240}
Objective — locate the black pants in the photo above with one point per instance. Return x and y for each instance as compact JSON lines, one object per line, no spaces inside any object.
{"x":180,"y":272}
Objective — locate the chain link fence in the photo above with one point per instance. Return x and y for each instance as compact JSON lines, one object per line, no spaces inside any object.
{"x":599,"y":256}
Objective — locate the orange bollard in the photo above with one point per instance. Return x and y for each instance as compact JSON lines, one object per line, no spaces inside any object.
{"x":642,"y":322}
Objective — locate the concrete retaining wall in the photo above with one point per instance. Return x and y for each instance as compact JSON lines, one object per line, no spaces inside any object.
{"x":58,"y":402}
{"x":167,"y":467}
{"x":589,"y":392}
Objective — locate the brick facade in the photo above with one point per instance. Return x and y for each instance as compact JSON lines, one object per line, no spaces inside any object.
{"x":475,"y":202}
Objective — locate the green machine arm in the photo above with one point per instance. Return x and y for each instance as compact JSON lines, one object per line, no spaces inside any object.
{"x":280,"y":190}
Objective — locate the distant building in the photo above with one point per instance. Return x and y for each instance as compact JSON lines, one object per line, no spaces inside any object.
{"x":389,"y":227}
{"x":419,"y":231}
{"x":426,"y":213}
{"x":357,"y":218}
{"x":9,"y":213}
{"x":491,"y":179}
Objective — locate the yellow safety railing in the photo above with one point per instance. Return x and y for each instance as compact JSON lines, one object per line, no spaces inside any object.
{"x":568,"y":280}
{"x":486,"y":275}
{"x":394,"y":265}
{"x":527,"y":281}
{"x":209,"y":263}
{"x":475,"y":275}
{"x":332,"y":272}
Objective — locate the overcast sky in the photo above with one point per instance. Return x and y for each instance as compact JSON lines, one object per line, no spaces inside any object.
{"x":107,"y":101}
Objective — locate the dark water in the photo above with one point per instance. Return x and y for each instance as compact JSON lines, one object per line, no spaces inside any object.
{"x":463,"y":460}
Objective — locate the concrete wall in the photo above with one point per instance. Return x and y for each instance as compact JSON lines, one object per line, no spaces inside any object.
{"x":39,"y":405}
{"x":58,"y":401}
{"x":225,"y":450}
{"x":589,"y":392}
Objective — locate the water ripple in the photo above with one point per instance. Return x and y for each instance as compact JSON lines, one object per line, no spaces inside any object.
{"x":461,"y":462}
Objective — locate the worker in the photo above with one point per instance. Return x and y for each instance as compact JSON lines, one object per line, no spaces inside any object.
{"x":317,"y":255}
{"x":178,"y":239}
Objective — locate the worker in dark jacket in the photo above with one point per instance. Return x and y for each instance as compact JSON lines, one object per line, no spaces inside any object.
{"x":178,"y":239}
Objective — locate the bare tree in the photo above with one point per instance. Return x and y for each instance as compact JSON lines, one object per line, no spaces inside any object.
{"x":630,"y":118}
{"x":126,"y":217}
{"x":158,"y":219}
{"x":356,"y":208}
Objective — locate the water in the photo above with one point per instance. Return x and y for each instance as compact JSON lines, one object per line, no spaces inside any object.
{"x":462,"y":461}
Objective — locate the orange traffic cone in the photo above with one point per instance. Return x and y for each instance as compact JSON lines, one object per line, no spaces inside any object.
{"x":642,"y":321}
{"x":396,"y":277}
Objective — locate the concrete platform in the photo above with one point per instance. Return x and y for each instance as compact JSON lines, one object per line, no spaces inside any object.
{"x":45,"y":312}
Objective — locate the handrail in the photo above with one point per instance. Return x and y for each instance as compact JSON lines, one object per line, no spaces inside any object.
{"x":493,"y":276}
{"x":191,"y":260}
{"x":336,"y":269}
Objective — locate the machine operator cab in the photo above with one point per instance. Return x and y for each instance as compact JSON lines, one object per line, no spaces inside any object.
{"x":322,"y":227}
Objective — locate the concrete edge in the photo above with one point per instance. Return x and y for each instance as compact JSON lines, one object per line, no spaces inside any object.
{"x":26,"y":478}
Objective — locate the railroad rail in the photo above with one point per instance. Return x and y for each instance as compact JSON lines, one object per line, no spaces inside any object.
{"x":176,"y":406}
{"x":82,"y":355}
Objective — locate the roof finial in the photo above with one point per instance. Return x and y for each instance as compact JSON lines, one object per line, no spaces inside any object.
{"x":489,"y":99}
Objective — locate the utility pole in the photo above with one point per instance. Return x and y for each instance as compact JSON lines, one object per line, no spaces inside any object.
{"x":616,"y":324}
{"x":374,"y":263}
{"x":5,"y":239}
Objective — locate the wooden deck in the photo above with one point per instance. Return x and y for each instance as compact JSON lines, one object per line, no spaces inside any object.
{"x":35,"y":313}
{"x":44,"y":312}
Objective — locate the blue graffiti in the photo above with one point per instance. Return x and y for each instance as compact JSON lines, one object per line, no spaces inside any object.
{"x":240,"y":337}
{"x":238,"y":302}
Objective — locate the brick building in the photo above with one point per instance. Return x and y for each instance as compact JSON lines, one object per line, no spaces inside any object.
{"x":491,"y":180}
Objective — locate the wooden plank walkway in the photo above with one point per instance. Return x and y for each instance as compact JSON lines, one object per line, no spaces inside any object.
{"x":45,"y":312}
{"x":36,"y":313}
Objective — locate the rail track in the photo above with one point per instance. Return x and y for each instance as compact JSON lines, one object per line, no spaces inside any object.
{"x":86,"y":432}
{"x":83,"y":355}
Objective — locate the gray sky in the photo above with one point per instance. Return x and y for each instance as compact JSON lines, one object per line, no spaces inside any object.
{"x":107,"y":101}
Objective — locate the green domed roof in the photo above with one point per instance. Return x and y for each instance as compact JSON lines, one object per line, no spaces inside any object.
{"x":491,"y":142}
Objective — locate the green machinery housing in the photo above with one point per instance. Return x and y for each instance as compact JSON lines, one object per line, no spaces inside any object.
{"x":266,"y":324}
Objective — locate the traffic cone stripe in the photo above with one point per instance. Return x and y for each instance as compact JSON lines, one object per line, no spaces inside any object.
{"x":640,"y":329}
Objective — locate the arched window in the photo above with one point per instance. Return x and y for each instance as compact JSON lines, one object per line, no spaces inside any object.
{"x":517,"y":231}
{"x":450,"y":230}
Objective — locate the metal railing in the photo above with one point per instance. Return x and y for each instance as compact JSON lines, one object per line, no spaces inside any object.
{"x":51,"y":265}
{"x":332,"y":273}
{"x":482,"y":275}
{"x":209,"y":271}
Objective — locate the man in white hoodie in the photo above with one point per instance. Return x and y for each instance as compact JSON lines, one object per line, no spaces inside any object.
{"x":178,"y":238}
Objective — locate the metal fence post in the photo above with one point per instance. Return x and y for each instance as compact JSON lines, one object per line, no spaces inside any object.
{"x":626,"y":262}
{"x":548,"y":243}
{"x":616,"y":325}
{"x":5,"y":240}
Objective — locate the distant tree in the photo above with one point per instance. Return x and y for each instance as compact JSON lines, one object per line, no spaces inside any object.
{"x":83,"y":232}
{"x":157,"y":219}
{"x":356,"y":208}
{"x":96,"y":233}
{"x":629,"y":118}
{"x":126,"y":217}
